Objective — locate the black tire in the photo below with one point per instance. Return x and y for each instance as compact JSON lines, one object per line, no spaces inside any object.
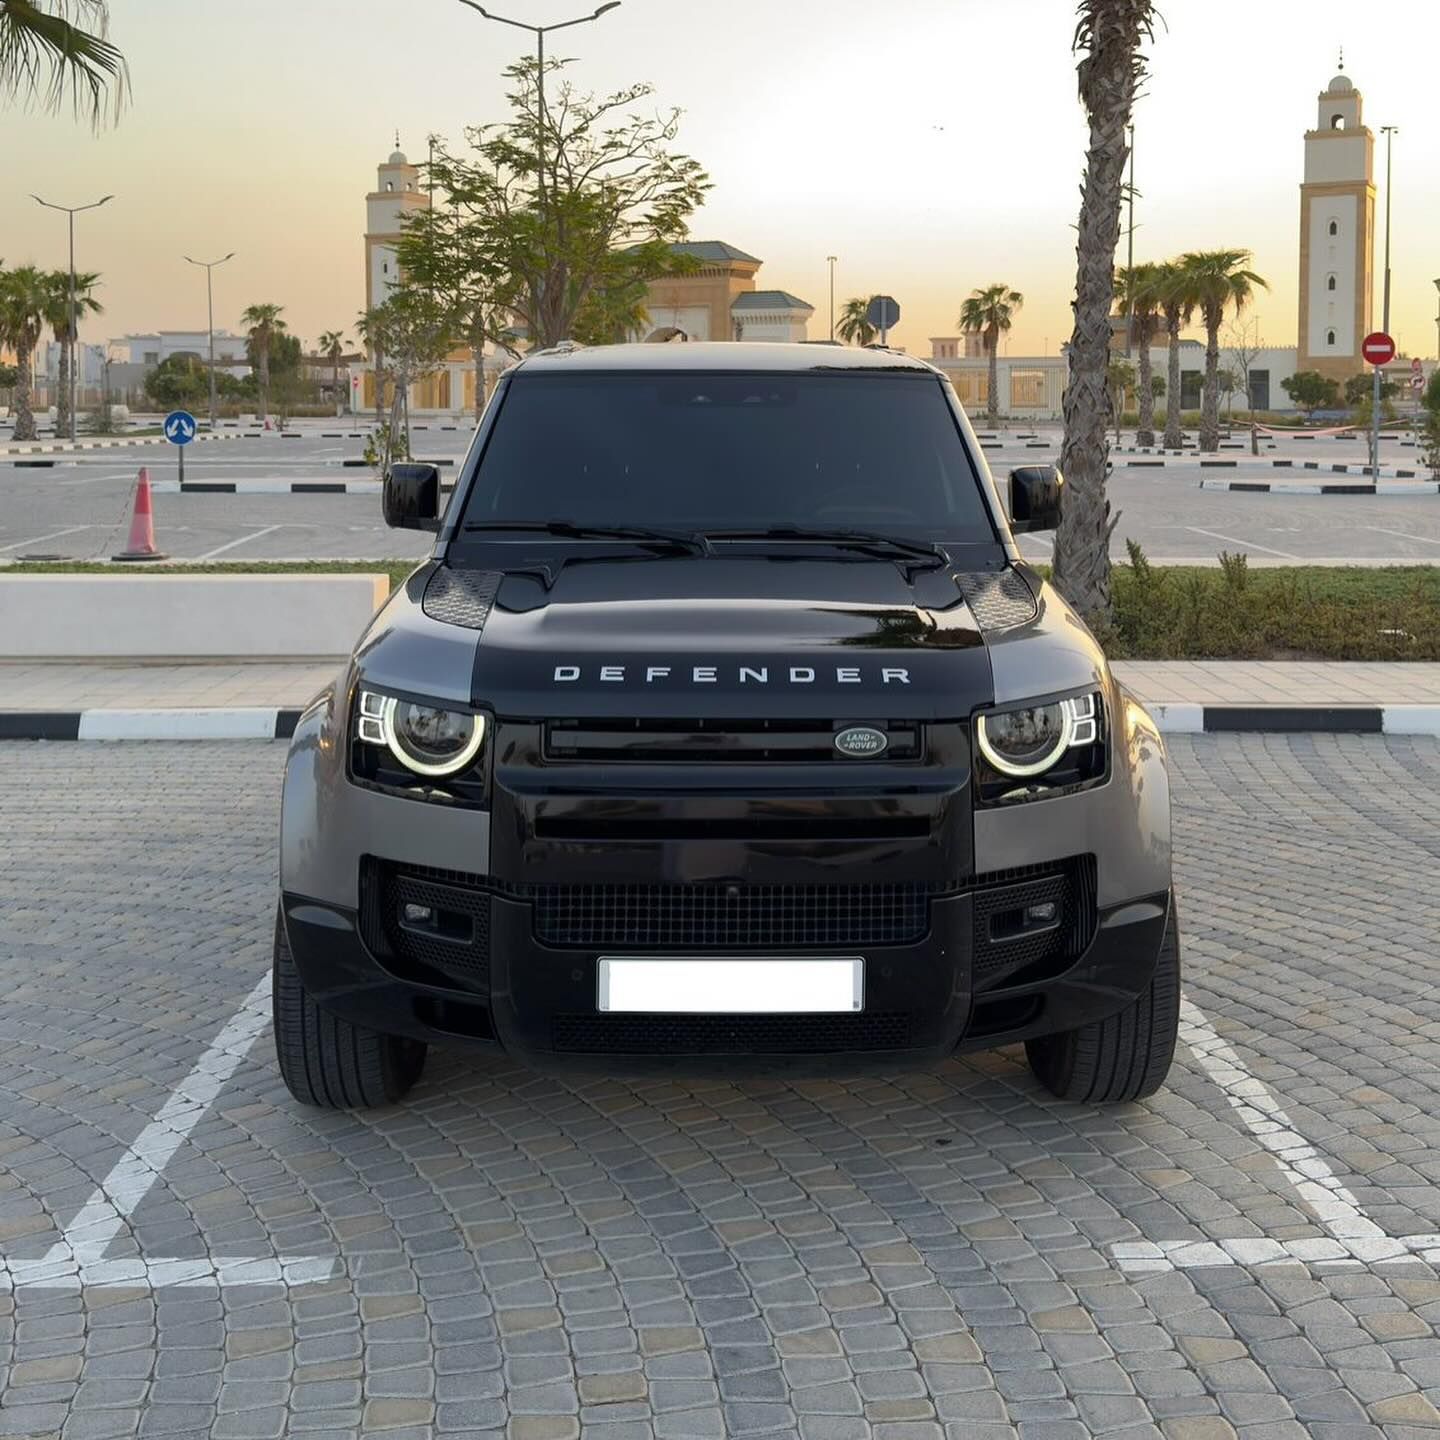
{"x":1128,"y":1055}
{"x":327,"y":1061}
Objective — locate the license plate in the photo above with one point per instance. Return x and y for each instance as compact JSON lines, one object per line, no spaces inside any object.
{"x":660,"y":985}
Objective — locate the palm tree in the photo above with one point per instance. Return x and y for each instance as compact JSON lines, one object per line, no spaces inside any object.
{"x":853,"y":327}
{"x":1138,"y":297}
{"x":24,"y":303}
{"x":1217,"y":281}
{"x":989,"y":312}
{"x":265,"y":324}
{"x":57,"y":317}
{"x":1177,"y":304}
{"x":53,"y":48}
{"x":1120,"y":378}
{"x":332,"y":345}
{"x":1109,"y":33}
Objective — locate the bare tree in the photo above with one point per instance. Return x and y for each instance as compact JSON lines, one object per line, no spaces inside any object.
{"x":1242,"y":345}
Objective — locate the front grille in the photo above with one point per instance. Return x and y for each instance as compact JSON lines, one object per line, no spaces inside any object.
{"x":736,"y":917}
{"x":730,"y":1034}
{"x":1003,"y":949}
{"x":457,"y":944}
{"x":720,"y":741}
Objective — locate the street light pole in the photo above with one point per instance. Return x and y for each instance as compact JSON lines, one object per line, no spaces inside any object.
{"x":74,"y":334}
{"x":540,"y":32}
{"x":830,"y":260}
{"x":1388,"y":131}
{"x":208,"y":266}
{"x":1437,"y":327}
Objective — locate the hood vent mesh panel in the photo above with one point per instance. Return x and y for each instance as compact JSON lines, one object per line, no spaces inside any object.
{"x":998,"y":601}
{"x":461,"y":597}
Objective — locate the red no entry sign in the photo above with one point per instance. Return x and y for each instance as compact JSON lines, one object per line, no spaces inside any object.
{"x":1378,"y":348}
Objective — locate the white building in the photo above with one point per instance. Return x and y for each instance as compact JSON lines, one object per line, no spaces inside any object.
{"x":155,"y":348}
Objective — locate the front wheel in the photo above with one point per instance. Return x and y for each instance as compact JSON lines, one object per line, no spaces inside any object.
{"x":327,"y":1061}
{"x":1126,"y":1056}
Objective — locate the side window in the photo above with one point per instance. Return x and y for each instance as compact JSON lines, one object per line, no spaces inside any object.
{"x":1330,"y":283}
{"x":1329,"y":337}
{"x":1334,"y":227}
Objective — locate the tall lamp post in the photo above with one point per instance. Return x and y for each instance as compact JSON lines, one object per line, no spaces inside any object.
{"x":1388,"y":131}
{"x":72,"y":211}
{"x":830,"y":260}
{"x":1437,"y":328}
{"x":208,"y":266}
{"x":540,"y":32}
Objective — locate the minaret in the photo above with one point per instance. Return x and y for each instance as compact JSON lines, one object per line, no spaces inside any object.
{"x":397,"y":192}
{"x":1337,"y":235}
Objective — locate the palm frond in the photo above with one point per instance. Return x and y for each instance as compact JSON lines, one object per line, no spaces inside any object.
{"x":53,"y":48}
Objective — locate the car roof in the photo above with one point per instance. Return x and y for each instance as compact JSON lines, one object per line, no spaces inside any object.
{"x":755,"y":357}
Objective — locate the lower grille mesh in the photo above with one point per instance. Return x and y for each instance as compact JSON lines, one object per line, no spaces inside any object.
{"x":730,"y":1034}
{"x":466,"y":956}
{"x":1072,"y":888}
{"x":730,"y":916}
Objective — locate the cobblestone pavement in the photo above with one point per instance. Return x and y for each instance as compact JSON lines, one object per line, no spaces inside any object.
{"x":904,"y":1258}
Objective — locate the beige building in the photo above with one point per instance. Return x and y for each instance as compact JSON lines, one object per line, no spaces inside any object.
{"x":1337,"y":235}
{"x":719,"y":301}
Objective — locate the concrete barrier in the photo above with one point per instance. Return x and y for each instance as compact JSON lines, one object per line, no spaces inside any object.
{"x":184,"y":617}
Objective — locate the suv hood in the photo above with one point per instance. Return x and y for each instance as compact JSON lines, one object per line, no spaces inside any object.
{"x":718,"y":636}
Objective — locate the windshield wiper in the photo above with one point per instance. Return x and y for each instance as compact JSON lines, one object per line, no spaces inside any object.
{"x":690,"y":541}
{"x":924,"y":554}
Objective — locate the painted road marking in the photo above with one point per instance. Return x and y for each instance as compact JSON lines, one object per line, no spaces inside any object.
{"x":1403,"y":535}
{"x":1232,"y":540}
{"x":1353,"y":1238}
{"x":78,"y":1260}
{"x":243,"y":540}
{"x":53,"y":535}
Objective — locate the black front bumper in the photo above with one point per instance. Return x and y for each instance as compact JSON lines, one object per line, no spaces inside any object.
{"x":514,"y":967}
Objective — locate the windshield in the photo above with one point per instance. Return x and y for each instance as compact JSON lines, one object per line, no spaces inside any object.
{"x":698,"y":452}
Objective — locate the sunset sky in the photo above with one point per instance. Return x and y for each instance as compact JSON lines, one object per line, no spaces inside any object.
{"x":933,"y":145}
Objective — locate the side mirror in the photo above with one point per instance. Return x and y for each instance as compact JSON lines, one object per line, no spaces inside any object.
{"x":1036,"y":494}
{"x":411,"y":497}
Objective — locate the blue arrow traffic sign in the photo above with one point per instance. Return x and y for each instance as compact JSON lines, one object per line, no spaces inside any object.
{"x":180,"y":427}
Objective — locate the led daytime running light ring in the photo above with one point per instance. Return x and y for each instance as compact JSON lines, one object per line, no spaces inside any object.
{"x":420,"y":767}
{"x":1010,"y":767}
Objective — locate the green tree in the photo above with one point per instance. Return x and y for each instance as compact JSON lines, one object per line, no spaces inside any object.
{"x":1311,"y":390}
{"x":1219,"y":283}
{"x":57,"y":317}
{"x":1157,"y":386}
{"x":989,"y":312}
{"x":1177,"y":305}
{"x":1227,"y":384}
{"x":1119,"y":381}
{"x":24,"y":305}
{"x":177,"y":382}
{"x":410,"y":336}
{"x":332,"y":346}
{"x":51,"y":49}
{"x":613,"y":200}
{"x":1360,"y":390}
{"x":1108,"y":37}
{"x":1138,"y":297}
{"x":264,"y":325}
{"x":8,"y":376}
{"x":854,"y":326}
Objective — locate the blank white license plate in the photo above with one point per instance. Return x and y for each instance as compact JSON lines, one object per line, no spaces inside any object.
{"x":713,"y":986}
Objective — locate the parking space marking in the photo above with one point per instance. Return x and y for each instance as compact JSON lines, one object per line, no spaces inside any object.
{"x":38,"y":539}
{"x":1235,"y":540}
{"x":244,"y":539}
{"x":1353,"y":1238}
{"x":1404,"y":535}
{"x":77,"y":1260}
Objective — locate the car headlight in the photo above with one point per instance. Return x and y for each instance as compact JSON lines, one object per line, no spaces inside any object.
{"x":426,"y":739}
{"x":1028,"y":740}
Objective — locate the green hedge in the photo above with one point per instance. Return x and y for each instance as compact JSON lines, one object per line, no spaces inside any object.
{"x":1291,"y":613}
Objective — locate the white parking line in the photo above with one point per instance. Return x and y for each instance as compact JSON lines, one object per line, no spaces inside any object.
{"x":1353,"y":1238}
{"x":78,"y":1260}
{"x":243,"y":540}
{"x":53,"y":535}
{"x":1403,"y":535}
{"x":1233,"y":540}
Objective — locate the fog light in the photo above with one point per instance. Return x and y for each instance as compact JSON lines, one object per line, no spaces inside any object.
{"x":1045,"y":913}
{"x":417,"y":914}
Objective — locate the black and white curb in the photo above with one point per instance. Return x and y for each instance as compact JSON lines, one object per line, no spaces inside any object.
{"x":1401,"y":486}
{"x":270,"y":723}
{"x":68,"y":447}
{"x":234,"y":722}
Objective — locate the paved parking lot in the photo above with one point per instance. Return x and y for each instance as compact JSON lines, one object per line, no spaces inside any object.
{"x":81,"y":508}
{"x":189,"y":1253}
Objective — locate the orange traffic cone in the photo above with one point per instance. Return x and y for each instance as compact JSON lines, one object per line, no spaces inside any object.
{"x":142,"y":525}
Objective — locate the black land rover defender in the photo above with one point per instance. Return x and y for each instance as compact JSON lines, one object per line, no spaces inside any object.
{"x":725,"y":727}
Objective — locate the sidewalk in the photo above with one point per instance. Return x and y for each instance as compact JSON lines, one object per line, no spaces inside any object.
{"x":212,"y":700}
